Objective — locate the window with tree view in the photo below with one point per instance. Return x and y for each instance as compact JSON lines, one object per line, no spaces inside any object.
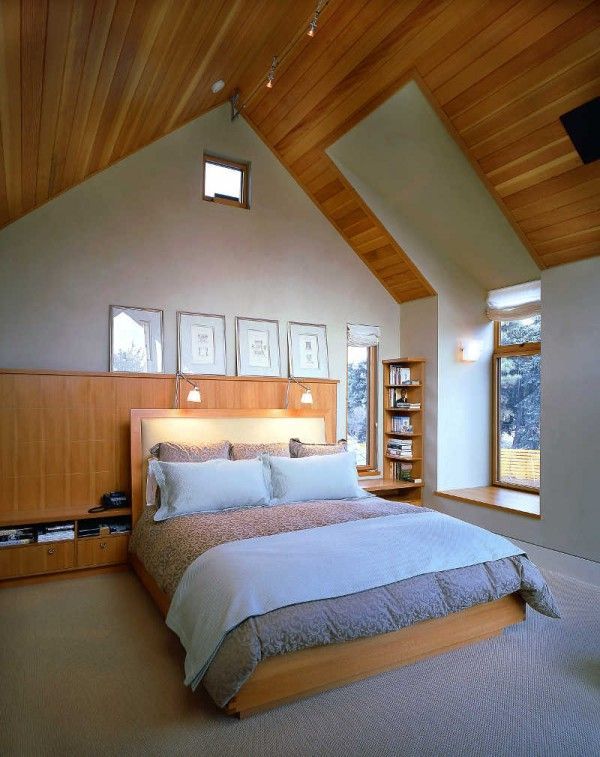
{"x":517,"y":361}
{"x":362,"y":367}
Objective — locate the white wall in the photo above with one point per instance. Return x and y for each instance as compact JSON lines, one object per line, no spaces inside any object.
{"x":417,"y":181}
{"x":570,"y":493}
{"x":140,"y":234}
{"x":570,"y":430}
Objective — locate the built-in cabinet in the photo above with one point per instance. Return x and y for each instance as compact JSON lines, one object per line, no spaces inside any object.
{"x":80,"y":552}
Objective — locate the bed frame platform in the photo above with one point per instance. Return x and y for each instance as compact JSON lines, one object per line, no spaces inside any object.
{"x":286,"y":677}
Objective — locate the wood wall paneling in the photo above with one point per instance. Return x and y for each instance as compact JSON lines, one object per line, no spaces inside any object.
{"x":64,"y":437}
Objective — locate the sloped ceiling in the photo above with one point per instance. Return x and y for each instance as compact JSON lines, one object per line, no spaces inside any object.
{"x":84,"y":83}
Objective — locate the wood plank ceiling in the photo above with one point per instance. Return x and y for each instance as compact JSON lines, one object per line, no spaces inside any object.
{"x":84,"y":83}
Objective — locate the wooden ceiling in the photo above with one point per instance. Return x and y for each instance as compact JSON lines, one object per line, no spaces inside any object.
{"x":83,"y":83}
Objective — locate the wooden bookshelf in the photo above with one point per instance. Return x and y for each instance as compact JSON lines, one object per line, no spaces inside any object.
{"x":393,"y":388}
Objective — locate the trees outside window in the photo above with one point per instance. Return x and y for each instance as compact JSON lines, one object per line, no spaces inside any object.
{"x":362,"y":405}
{"x":517,"y":390}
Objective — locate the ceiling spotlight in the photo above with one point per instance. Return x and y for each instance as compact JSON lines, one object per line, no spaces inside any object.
{"x":271,"y":74}
{"x":217,"y":86}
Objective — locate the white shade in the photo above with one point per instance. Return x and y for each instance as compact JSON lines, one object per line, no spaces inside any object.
{"x":363,"y":336}
{"x":194,"y":395}
{"x":306,"y":398}
{"x":471,"y":350}
{"x":515,"y":303}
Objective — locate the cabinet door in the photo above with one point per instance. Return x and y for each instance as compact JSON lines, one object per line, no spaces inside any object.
{"x":34,"y":559}
{"x":102,"y":550}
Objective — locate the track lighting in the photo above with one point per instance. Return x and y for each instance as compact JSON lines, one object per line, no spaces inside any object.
{"x":312,"y":27}
{"x":271,"y":74}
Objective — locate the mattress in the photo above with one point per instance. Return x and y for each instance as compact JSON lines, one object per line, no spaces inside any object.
{"x":167,"y":549}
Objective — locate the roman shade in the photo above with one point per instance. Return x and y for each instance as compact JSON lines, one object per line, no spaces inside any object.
{"x":363,"y":336}
{"x":515,"y":303}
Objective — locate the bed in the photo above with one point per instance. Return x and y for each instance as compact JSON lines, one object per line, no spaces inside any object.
{"x":308,"y":646}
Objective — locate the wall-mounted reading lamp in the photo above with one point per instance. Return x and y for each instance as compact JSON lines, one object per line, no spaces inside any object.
{"x":194,"y":394}
{"x":305,"y":399}
{"x":470,"y":350}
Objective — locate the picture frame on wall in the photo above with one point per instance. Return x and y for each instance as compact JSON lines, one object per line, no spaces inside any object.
{"x":135,"y":339}
{"x":307,"y":349}
{"x":257,"y":347}
{"x":201,"y":344}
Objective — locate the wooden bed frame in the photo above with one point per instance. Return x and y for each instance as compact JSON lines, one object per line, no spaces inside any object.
{"x":287,"y":677}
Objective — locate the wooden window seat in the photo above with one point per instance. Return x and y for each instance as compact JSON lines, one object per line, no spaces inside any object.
{"x":511,"y":500}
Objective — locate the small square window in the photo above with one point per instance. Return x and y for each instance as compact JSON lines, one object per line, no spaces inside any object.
{"x":225,"y":181}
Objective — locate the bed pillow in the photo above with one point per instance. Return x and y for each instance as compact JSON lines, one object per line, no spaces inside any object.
{"x":172,"y":452}
{"x":209,"y":487}
{"x":314,"y":477}
{"x":300,"y":449}
{"x":248,"y":451}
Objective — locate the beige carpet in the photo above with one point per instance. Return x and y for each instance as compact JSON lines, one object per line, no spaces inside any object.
{"x":88,"y":668}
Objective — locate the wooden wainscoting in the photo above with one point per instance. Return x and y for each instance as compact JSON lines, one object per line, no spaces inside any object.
{"x":64,"y":436}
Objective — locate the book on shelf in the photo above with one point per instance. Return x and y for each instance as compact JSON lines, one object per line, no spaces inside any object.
{"x":14,"y":542}
{"x":16,"y":532}
{"x":401,"y":424}
{"x":55,"y":532}
{"x":56,"y":536}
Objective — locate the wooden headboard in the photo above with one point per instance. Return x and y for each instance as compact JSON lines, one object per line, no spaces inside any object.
{"x":149,"y":426}
{"x":66,"y":434}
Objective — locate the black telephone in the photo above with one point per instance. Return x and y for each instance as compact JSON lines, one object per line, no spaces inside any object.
{"x":111,"y":500}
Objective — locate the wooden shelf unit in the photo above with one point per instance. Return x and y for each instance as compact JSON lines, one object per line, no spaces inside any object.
{"x":63,"y":556}
{"x":404,"y":490}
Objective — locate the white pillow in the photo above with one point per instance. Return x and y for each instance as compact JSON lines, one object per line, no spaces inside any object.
{"x":301,"y":479}
{"x":215,"y":485}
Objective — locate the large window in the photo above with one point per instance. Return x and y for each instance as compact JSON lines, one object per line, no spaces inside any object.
{"x":362,"y":400}
{"x":517,"y":390}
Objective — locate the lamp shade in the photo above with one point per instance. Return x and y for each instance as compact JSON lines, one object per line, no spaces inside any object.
{"x":471,"y":350}
{"x":194,"y":395}
{"x":306,"y":398}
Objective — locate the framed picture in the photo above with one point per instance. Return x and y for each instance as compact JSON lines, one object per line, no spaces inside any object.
{"x":201,"y":344}
{"x":257,"y":343}
{"x":136,"y":339}
{"x":308,"y":354}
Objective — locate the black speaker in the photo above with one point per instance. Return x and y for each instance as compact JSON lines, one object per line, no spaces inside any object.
{"x":582,"y":124}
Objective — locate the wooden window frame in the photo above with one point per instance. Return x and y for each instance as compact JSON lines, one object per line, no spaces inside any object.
{"x":370,"y":468}
{"x":500,"y":351}
{"x":226,"y":163}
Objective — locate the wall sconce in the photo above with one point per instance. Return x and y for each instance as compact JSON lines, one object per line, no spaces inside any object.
{"x":470,"y":350}
{"x":305,"y":399}
{"x":194,"y":394}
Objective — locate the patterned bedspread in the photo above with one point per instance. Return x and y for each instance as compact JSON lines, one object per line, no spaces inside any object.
{"x":166,"y":549}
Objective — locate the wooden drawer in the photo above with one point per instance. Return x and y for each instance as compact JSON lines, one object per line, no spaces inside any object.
{"x":33,"y":559}
{"x":102,"y":550}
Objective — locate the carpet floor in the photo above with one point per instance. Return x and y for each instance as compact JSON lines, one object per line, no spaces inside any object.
{"x":89,"y":668}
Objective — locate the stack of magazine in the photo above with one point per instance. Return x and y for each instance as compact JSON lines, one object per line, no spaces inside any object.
{"x":56,"y":532}
{"x":400,"y":447}
{"x":9,"y":537}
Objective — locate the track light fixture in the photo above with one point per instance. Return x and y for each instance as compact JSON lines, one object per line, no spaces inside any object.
{"x":236,"y":105}
{"x":312,"y":27}
{"x":271,"y":74}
